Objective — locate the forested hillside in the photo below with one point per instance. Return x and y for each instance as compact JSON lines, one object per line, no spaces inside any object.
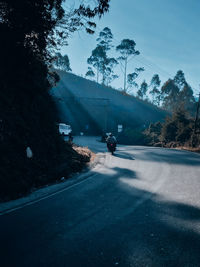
{"x":91,"y":107}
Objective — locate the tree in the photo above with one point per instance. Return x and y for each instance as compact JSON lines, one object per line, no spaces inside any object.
{"x":105,"y":39}
{"x":131,"y":78}
{"x":108,"y":73}
{"x":177,"y":94}
{"x":90,"y":73}
{"x":62,"y":62}
{"x":99,"y":59}
{"x":179,"y":79}
{"x":186,"y":99}
{"x":153,"y":132}
{"x":108,"y":64}
{"x":127,"y":49}
{"x":176,"y":128}
{"x":141,"y":93}
{"x":31,"y":32}
{"x":155,"y":92}
{"x":170,"y":95}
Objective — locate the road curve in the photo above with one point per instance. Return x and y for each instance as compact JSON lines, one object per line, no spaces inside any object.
{"x":140,"y":208}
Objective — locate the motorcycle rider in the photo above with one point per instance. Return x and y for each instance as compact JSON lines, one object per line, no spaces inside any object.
{"x":111,"y":139}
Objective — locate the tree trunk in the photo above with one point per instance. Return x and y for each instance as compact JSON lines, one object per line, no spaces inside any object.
{"x":125,"y":69}
{"x":97,"y":75}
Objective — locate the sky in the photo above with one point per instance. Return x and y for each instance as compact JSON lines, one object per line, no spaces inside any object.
{"x":166,"y":33}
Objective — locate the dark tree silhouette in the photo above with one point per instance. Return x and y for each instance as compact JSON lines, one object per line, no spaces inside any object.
{"x":30,"y":33}
{"x":141,"y":93}
{"x":179,"y":79}
{"x":177,"y":94}
{"x":155,"y":92}
{"x":62,"y":62}
{"x":99,"y":59}
{"x":90,"y":73}
{"x":186,"y":99}
{"x":131,"y":78}
{"x":170,"y":95}
{"x":105,"y":38}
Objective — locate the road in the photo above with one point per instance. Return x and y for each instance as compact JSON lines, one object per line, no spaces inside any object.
{"x":141,"y":207}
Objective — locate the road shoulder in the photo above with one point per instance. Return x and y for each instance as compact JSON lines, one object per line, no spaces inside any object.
{"x":50,"y":190}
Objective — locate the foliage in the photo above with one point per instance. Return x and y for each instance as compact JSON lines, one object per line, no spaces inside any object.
{"x":155,"y":92}
{"x":105,"y":39}
{"x":132,"y":137}
{"x":127,"y":49}
{"x":177,"y":93}
{"x":99,"y":59}
{"x":62,"y":62}
{"x":141,"y":93}
{"x":170,"y":95}
{"x":176,"y":129}
{"x":30,"y":33}
{"x":90,"y":73}
{"x":179,"y":79}
{"x":186,"y":99}
{"x":131,"y":78}
{"x":153,"y":132}
{"x":108,"y":74}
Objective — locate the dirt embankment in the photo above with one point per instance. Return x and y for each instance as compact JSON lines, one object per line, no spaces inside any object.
{"x":176,"y":145}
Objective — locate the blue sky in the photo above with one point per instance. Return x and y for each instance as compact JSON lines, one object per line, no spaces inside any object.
{"x":166,"y":33}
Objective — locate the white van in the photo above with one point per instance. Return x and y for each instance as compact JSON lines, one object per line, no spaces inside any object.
{"x":64,"y":129}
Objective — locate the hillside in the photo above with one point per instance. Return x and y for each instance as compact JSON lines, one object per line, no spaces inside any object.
{"x":90,"y":107}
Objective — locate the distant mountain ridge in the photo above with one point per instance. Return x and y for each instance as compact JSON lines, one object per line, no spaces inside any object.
{"x":90,"y":107}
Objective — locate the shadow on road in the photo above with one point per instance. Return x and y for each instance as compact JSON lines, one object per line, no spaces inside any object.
{"x":123,"y":155}
{"x":104,"y":222}
{"x":170,"y":156}
{"x":154,"y":232}
{"x":135,"y":227}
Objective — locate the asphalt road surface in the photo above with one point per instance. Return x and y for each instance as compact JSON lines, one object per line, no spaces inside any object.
{"x":141,"y":207}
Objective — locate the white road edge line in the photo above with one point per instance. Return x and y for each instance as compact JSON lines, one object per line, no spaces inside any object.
{"x":47,"y":196}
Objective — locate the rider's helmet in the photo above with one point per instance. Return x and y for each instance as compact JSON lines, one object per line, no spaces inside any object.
{"x":110,"y":134}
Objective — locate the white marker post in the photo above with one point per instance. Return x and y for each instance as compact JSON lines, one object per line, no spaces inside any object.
{"x":120,"y":128}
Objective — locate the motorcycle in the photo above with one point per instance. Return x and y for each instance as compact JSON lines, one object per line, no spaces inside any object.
{"x":112,"y":148}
